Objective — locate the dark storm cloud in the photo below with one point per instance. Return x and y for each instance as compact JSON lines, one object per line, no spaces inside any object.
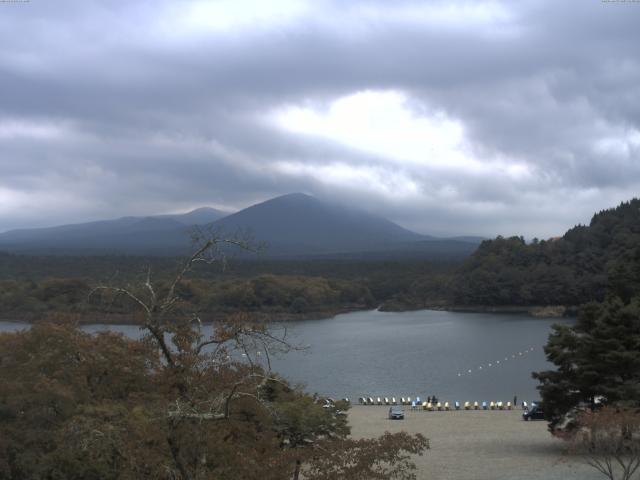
{"x":114,"y":108}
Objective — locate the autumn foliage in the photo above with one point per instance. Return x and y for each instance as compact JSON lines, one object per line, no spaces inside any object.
{"x":79,"y":406}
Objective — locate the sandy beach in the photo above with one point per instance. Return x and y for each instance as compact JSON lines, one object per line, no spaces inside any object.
{"x":478,"y":445}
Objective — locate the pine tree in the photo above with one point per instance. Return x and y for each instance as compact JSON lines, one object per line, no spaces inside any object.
{"x":598,"y":357}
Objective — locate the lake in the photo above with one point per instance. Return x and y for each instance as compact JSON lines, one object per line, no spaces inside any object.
{"x":456,"y":356}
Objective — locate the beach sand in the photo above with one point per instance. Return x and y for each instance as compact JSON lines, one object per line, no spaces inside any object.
{"x":478,"y":445}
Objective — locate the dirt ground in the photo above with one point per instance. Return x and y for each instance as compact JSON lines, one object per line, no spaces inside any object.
{"x":478,"y":445}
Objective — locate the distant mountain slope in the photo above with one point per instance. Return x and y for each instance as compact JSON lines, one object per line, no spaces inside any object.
{"x":294,"y":225}
{"x":298,"y":223}
{"x":199,"y":216}
{"x":158,"y":234}
{"x":469,"y":239}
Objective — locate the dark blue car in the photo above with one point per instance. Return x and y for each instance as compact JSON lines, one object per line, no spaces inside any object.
{"x":534,"y":413}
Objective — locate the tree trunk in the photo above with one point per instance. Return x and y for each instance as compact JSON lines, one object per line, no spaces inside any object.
{"x":175,"y":453}
{"x":296,"y":472}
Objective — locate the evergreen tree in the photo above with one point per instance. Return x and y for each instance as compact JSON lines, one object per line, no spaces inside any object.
{"x":598,"y":357}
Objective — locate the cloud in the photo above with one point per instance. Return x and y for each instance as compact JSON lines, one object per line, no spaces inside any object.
{"x":449,"y":117}
{"x":380,"y":122}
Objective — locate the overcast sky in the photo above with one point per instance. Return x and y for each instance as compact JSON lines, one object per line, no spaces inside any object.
{"x":447,"y":117}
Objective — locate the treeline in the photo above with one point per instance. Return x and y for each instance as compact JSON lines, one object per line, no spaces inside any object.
{"x":35,"y":286}
{"x":267,"y":294}
{"x":582,"y":266}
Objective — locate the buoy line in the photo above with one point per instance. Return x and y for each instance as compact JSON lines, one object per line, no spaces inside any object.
{"x":495,"y":363}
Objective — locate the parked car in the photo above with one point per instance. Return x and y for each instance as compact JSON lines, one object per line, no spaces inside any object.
{"x":534,"y":413}
{"x":396,"y":413}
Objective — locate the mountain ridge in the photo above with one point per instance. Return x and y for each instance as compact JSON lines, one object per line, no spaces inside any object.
{"x":295,"y":224}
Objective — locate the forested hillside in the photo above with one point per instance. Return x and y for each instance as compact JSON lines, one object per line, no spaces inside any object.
{"x":580,"y":266}
{"x":34,"y":288}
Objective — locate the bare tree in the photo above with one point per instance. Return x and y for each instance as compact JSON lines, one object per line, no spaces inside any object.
{"x":178,"y":334}
{"x":187,"y":352}
{"x":217,"y":390}
{"x":609,"y":439}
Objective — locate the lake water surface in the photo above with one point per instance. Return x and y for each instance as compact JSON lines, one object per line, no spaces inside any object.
{"x":456,"y":356}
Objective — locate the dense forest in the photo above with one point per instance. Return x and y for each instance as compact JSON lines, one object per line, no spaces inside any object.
{"x":33,"y":287}
{"x":583,"y":265}
{"x":596,"y":359}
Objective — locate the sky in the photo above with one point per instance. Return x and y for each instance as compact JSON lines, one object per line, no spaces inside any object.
{"x":447,"y":117}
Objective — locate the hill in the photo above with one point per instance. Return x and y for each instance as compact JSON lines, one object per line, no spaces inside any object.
{"x":292,"y":226}
{"x":300,"y":224}
{"x":583,"y":265}
{"x":154,"y":234}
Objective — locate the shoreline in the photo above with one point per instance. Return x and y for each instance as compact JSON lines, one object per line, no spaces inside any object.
{"x":130,"y":319}
{"x":535,"y":311}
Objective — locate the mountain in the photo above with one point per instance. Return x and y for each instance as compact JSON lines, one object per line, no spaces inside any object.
{"x":154,"y":234}
{"x":294,"y":225}
{"x":301,"y":224}
{"x":199,"y":216}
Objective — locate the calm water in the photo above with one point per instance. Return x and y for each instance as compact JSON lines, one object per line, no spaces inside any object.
{"x":456,"y":356}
